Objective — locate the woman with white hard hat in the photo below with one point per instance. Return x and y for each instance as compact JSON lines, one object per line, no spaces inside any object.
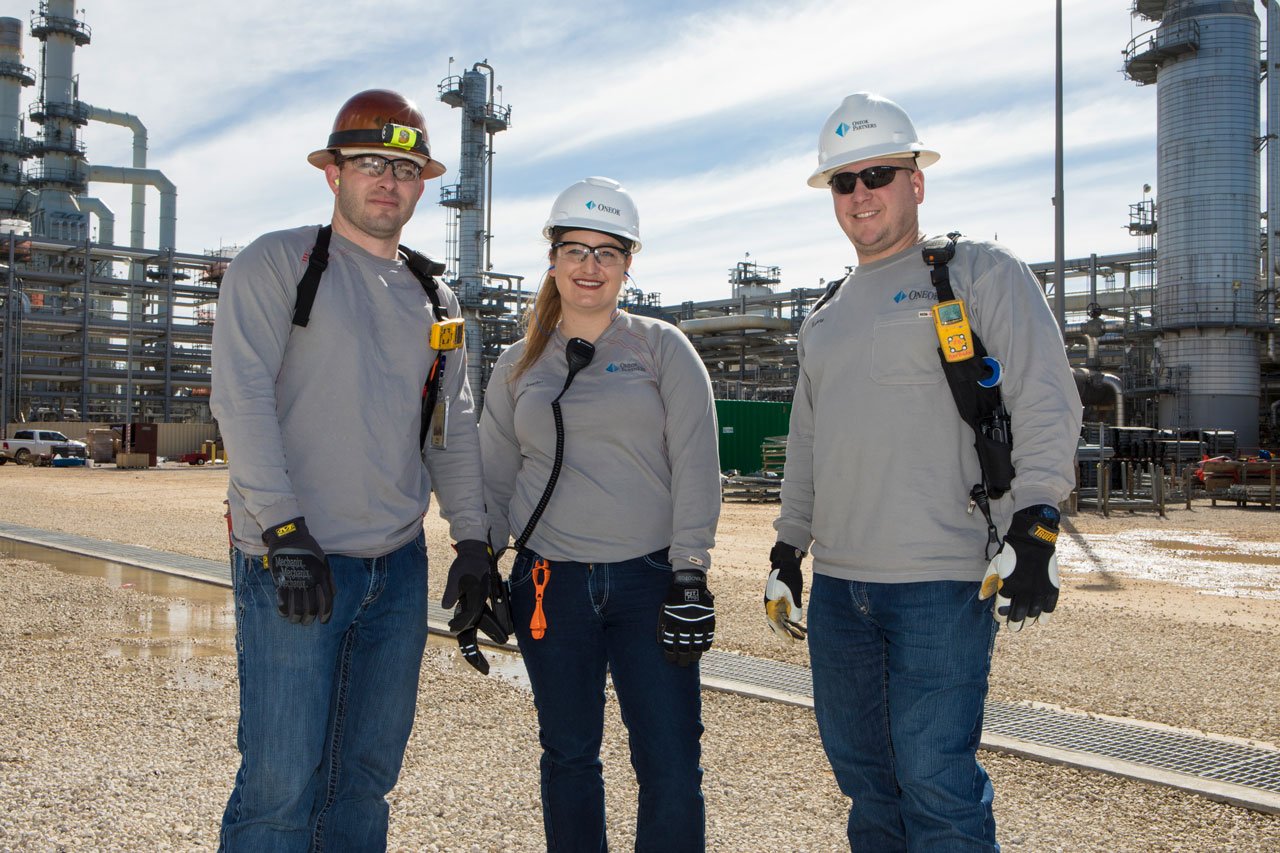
{"x":600,"y":454}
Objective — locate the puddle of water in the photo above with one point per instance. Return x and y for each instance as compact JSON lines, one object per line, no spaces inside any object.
{"x":198,"y":620}
{"x":1212,"y":563}
{"x":1208,"y":552}
{"x":1175,"y":545}
{"x":505,"y":665}
{"x":174,"y":651}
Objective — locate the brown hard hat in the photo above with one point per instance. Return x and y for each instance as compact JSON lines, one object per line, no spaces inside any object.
{"x":376,"y":119}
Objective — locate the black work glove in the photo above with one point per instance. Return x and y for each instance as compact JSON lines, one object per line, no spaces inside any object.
{"x":687,"y":624}
{"x":783,"y":593}
{"x":495,"y":621}
{"x":1023,"y":576}
{"x":472,"y":578}
{"x":300,"y":572}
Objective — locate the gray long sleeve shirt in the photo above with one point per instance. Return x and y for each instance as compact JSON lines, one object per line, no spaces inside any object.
{"x":641,"y":468}
{"x":323,"y":421}
{"x":879,"y":463}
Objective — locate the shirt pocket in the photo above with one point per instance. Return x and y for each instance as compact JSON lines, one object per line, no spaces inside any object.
{"x":904,"y":351}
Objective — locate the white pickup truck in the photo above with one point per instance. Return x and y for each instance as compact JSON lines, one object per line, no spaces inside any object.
{"x":39,"y":446}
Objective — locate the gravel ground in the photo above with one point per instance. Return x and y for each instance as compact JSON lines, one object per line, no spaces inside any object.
{"x":117,"y":736}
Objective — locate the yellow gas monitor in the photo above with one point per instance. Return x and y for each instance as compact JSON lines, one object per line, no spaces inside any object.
{"x":446,"y":334}
{"x":952,"y":325}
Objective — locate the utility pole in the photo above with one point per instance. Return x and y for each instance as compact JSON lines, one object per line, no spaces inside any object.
{"x":1059,"y":206}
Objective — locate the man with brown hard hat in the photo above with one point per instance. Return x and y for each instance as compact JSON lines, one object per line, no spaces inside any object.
{"x":324,"y":351}
{"x":915,"y":370}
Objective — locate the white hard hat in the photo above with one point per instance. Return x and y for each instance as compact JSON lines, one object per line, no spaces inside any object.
{"x":597,"y":204}
{"x":866,"y":127}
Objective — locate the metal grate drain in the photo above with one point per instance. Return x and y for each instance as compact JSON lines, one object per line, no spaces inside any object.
{"x":133,"y":555}
{"x":1166,"y":749}
{"x":1218,"y":767}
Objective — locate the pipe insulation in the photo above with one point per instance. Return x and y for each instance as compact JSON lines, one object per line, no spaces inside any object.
{"x":147,"y":177}
{"x":138,"y":209}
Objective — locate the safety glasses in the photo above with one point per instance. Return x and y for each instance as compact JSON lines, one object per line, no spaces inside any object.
{"x":873,"y":178}
{"x":606,"y":256}
{"x":373,"y":166}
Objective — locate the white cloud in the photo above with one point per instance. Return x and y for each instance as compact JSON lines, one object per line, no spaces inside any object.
{"x":708,"y":112}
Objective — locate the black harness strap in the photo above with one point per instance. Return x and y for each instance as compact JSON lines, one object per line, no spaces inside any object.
{"x":317,"y":263}
{"x":424,"y":270}
{"x":981,"y":407}
{"x":826,"y":297}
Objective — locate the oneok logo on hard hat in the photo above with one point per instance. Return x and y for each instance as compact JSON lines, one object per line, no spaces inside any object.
{"x":860,"y":124}
{"x":591,"y":205}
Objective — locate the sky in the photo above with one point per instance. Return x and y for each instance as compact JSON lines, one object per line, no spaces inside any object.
{"x":707,"y":112}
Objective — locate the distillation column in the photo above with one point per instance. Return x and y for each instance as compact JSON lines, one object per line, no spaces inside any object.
{"x":14,"y":148}
{"x":61,"y":174}
{"x":1205,"y":58}
{"x":473,"y":91}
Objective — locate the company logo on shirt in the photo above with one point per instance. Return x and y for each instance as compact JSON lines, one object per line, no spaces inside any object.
{"x":912,"y":296}
{"x":624,"y":367}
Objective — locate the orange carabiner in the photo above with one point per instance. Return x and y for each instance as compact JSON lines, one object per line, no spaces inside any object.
{"x":541,"y":575}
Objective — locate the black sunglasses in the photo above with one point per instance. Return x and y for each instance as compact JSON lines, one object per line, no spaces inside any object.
{"x":873,"y":178}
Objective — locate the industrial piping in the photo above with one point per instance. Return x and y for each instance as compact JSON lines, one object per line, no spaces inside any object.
{"x":137,"y":211}
{"x":1273,"y":164}
{"x":1094,"y":379}
{"x":147,"y":177}
{"x":106,"y":218}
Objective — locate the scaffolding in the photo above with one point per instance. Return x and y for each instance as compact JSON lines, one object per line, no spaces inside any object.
{"x":80,"y":337}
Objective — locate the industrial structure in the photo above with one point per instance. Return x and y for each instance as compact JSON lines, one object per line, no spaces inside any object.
{"x":490,"y":301}
{"x":1178,"y":333}
{"x":88,"y":328}
{"x":1214,"y":313}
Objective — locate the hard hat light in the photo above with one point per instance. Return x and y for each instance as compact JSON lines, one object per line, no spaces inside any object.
{"x":399,"y":136}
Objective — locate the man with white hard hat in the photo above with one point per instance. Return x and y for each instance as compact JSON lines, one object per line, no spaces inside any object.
{"x":933,"y":381}
{"x":336,"y":358}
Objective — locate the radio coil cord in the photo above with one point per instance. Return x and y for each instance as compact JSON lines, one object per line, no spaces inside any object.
{"x":579,"y":354}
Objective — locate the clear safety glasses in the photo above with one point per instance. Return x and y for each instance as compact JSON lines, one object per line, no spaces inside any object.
{"x":373,"y":166}
{"x":606,"y":256}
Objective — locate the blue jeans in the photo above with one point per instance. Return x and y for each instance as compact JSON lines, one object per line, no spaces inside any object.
{"x":606,"y":615}
{"x":899,"y":681}
{"x":325,"y":710}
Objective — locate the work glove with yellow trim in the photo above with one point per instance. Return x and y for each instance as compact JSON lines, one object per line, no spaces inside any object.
{"x":473,"y":580}
{"x":783,"y":593}
{"x":1023,"y":576}
{"x":300,"y":572}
